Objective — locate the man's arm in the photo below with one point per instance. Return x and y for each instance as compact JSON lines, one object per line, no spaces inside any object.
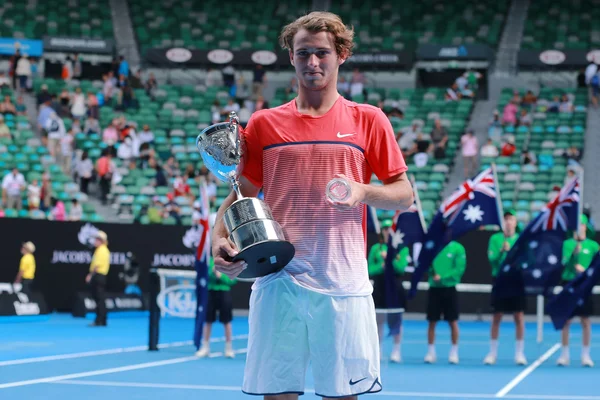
{"x":395,"y":194}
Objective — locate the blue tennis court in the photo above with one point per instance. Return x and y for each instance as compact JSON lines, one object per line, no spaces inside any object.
{"x":58,"y":356}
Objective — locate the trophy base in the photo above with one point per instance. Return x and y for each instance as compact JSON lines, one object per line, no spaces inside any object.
{"x":265,"y":258}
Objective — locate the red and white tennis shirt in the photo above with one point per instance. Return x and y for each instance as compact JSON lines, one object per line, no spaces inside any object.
{"x":293,"y":156}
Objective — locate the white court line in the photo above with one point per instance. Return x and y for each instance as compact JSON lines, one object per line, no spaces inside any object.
{"x":510,"y":386}
{"x":108,"y":351}
{"x":383,"y":393}
{"x":99,"y":372}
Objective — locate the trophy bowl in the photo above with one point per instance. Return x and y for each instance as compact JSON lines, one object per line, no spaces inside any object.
{"x":260,"y":240}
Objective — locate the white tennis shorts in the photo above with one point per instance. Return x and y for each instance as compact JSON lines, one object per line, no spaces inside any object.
{"x":290,"y":325}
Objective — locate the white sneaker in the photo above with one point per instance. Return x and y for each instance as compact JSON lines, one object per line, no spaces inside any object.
{"x":430,"y":358}
{"x":395,"y":357}
{"x":203,"y":352}
{"x":520,"y":359}
{"x":229,"y":353}
{"x":563,"y":361}
{"x":490,"y":359}
{"x":453,"y":358}
{"x":586,"y":361}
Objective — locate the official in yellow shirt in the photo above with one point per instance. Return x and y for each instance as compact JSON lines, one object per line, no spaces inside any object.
{"x":99,"y":268}
{"x":26,"y":267}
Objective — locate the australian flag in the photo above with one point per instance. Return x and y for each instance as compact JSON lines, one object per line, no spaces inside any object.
{"x":560,"y":308}
{"x":472,"y":205}
{"x":407,"y":229}
{"x":201,"y":266}
{"x":533,"y":265}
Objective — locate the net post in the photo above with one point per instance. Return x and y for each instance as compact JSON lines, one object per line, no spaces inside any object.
{"x":154,"y":311}
{"x":540,"y":318}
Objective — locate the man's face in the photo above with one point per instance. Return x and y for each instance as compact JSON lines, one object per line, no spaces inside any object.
{"x":315,"y":59}
{"x":510,"y":223}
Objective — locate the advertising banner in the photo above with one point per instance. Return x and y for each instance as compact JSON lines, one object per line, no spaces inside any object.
{"x":14,"y":302}
{"x":54,"y":44}
{"x":556,"y":59}
{"x":441,"y":52}
{"x":192,"y":58}
{"x":64,"y":251}
{"x":33,"y":48}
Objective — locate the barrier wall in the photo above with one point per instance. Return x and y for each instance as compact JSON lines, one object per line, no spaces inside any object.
{"x":64,"y":251}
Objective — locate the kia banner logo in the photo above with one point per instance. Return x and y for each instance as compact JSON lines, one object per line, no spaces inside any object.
{"x":594,"y":56}
{"x":552,"y":57}
{"x":179,"y":55}
{"x":178,"y":300}
{"x":264,"y":57}
{"x":220,"y":56}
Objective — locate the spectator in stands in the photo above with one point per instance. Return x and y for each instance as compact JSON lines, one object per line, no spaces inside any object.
{"x":216,"y":112}
{"x":12,"y":186}
{"x":453,"y":93}
{"x":228,"y":74}
{"x":67,"y":143}
{"x":4,"y":129}
{"x":23,"y":72}
{"x":67,"y":69}
{"x":489,"y":149}
{"x":213,"y":78}
{"x":229,"y":107}
{"x":357,"y":84}
{"x":566,"y":105}
{"x":4,"y":80}
{"x":43,"y":95}
{"x":260,"y":103}
{"x":528,"y":157}
{"x":406,"y":136}
{"x":76,"y":212}
{"x":146,"y":135}
{"x":573,"y":153}
{"x":110,"y":136}
{"x":509,"y":115}
{"x":259,"y":81}
{"x":55,"y":127}
{"x":525,"y":118}
{"x":180,"y":186}
{"x":160,"y":180}
{"x":64,"y":100}
{"x":34,"y":194}
{"x":156,"y":211}
{"x":508,"y":147}
{"x":46,"y":192}
{"x":20,"y":106}
{"x":123,"y":67}
{"x":93,"y":105}
{"x":78,"y":104}
{"x":7,"y":107}
{"x":171,"y":167}
{"x":91,"y":126}
{"x":571,"y":174}
{"x":592,"y":81}
{"x":58,"y":212}
{"x":529,"y":100}
{"x":243,"y":91}
{"x":344,"y":87}
{"x":439,"y":139}
{"x":469,"y":149}
{"x":108,"y":87}
{"x":554,"y":105}
{"x":126,"y":150}
{"x":495,"y":127}
{"x":85,"y":169}
{"x":172,"y":209}
{"x":105,"y":170}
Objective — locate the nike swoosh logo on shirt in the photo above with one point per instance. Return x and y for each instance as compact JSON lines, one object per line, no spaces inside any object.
{"x":343,"y":135}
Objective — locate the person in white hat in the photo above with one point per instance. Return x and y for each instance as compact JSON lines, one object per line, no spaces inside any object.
{"x":99,"y":268}
{"x":26,"y":267}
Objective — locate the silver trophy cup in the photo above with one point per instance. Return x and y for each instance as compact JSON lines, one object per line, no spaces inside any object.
{"x":249,"y":222}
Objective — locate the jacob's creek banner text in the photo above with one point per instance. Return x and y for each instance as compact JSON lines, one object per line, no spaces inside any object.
{"x":64,"y":251}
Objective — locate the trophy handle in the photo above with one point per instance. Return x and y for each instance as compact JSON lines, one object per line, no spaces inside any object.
{"x":234,"y":126}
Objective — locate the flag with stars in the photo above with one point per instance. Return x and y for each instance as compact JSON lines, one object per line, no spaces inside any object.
{"x":474,"y":204}
{"x":533,"y":264}
{"x":201,"y":266}
{"x":407,"y":229}
{"x":560,"y":308}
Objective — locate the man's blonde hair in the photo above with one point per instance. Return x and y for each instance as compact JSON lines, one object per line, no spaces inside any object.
{"x":320,"y":21}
